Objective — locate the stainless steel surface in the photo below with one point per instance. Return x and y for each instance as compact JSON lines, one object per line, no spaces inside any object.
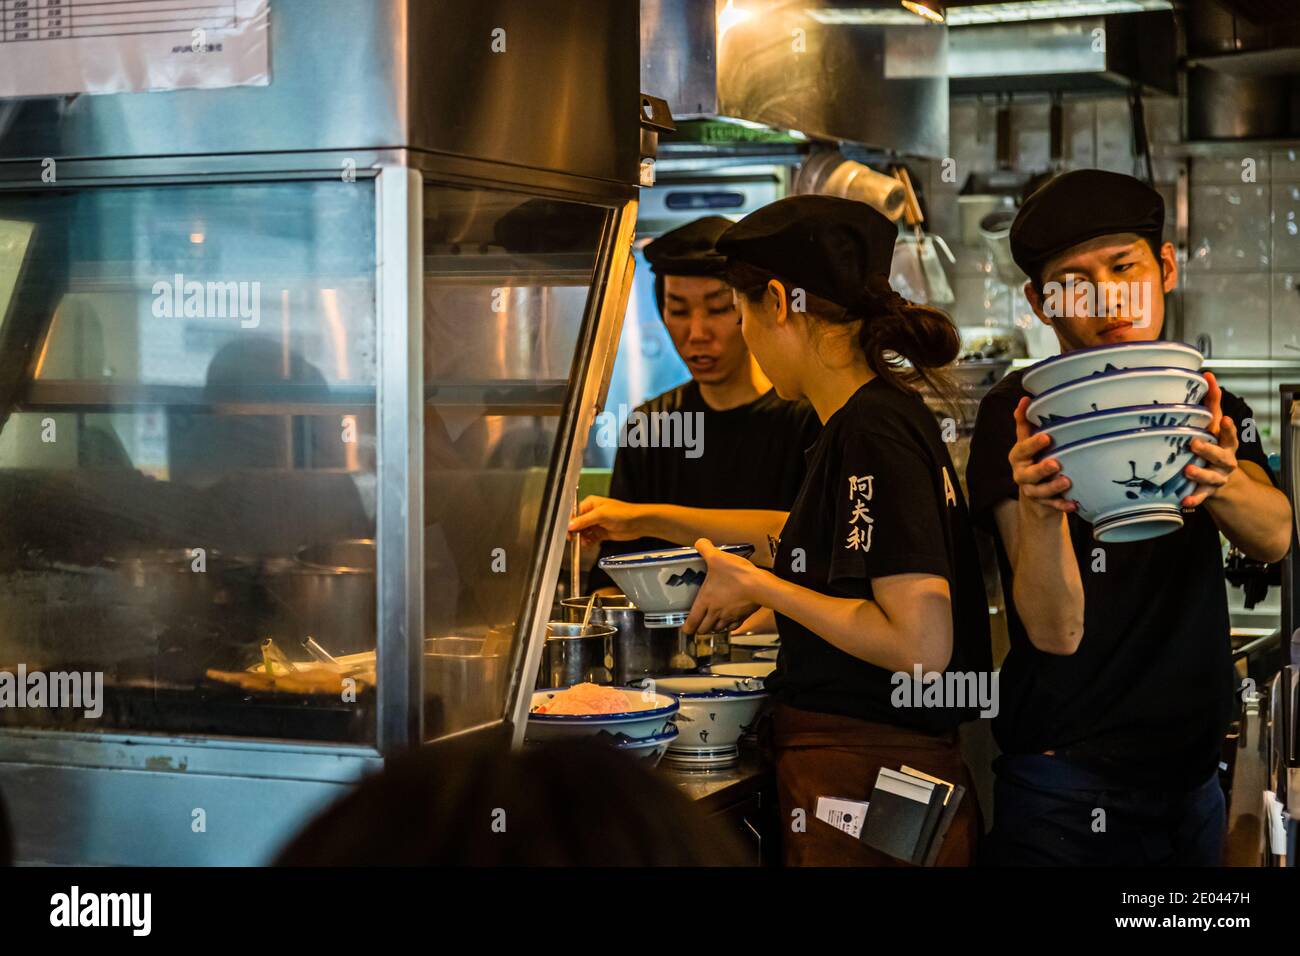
{"x":885,"y":86}
{"x":595,"y":352}
{"x":350,"y":75}
{"x":327,"y":593}
{"x":1097,"y":54}
{"x":108,"y":792}
{"x":464,"y":680}
{"x":1224,"y":106}
{"x":713,"y":788}
{"x":399,"y":517}
{"x":405,"y":97}
{"x":638,"y":651}
{"x":679,"y":55}
{"x":574,"y":654}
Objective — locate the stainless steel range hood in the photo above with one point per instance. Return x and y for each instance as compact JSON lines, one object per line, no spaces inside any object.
{"x":786,"y":64}
{"x":1081,"y":54}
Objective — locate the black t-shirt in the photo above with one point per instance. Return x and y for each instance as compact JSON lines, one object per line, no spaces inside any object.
{"x":881,"y":498}
{"x":752,"y":456}
{"x":1147,"y":697}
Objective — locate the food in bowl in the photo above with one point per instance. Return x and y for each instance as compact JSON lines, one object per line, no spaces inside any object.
{"x":663,"y":583}
{"x":1095,"y":424}
{"x":1130,"y":485}
{"x":1101,"y":359}
{"x":592,"y":699}
{"x":1112,"y":390}
{"x":644,"y":713}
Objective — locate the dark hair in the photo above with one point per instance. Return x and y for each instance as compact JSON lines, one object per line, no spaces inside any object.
{"x":894,"y":330}
{"x":563,"y":804}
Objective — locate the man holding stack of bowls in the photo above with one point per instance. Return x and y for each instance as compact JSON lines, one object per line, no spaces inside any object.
{"x":1107,"y":511}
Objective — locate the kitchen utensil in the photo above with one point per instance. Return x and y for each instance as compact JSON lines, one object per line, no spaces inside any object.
{"x":714,"y":713}
{"x":464,"y":684}
{"x":328,"y":593}
{"x":1084,"y":363}
{"x":648,"y":715}
{"x":639,"y":651}
{"x":1111,"y":390}
{"x":574,"y":654}
{"x":663,"y":583}
{"x":1095,"y":424}
{"x":1130,"y":485}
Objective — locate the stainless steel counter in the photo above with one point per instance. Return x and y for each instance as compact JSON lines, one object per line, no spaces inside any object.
{"x":717,"y":789}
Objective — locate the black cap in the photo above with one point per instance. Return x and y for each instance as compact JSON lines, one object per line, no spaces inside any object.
{"x":1081,"y":205}
{"x":689,"y":250}
{"x":839,"y":249}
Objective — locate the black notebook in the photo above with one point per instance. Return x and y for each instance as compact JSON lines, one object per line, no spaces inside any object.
{"x":908,"y":814}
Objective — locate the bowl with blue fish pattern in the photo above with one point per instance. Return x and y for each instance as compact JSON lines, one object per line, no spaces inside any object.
{"x":1130,"y":485}
{"x":1112,"y":390}
{"x":663,"y":583}
{"x":1101,"y":359}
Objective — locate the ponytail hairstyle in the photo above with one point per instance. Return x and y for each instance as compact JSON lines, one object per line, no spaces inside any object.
{"x":894,"y":333}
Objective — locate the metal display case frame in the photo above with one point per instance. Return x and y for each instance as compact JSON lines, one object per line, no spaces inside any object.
{"x":127,"y":798}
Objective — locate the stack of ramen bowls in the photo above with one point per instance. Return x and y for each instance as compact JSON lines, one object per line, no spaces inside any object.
{"x":1122,"y":419}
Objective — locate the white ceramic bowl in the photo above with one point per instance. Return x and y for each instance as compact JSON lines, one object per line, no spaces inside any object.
{"x":653,"y":720}
{"x":755,"y":669}
{"x":1130,"y":485}
{"x":1095,"y":424}
{"x":651,"y":749}
{"x":1111,"y":390}
{"x":1101,"y":359}
{"x":663,"y":584}
{"x":715,"y":713}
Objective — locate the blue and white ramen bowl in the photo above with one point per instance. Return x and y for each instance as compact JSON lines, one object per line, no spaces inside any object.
{"x":715,"y":713}
{"x":1101,"y":359}
{"x":1130,"y":485}
{"x":1095,"y":424}
{"x":1112,"y":390}
{"x":648,"y":715}
{"x":663,"y":584}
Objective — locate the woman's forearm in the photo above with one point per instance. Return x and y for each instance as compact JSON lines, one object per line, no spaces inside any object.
{"x":862,"y":629}
{"x":683,"y":525}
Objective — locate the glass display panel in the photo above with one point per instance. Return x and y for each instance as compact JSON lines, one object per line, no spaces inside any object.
{"x":507,"y":279}
{"x":187,"y":458}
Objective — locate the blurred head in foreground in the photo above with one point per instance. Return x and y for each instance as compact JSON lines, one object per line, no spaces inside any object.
{"x":468,"y":803}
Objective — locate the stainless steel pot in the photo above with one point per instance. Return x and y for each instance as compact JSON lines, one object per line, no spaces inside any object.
{"x":574,"y":654}
{"x":463,"y":686}
{"x":639,"y":651}
{"x":328,"y":593}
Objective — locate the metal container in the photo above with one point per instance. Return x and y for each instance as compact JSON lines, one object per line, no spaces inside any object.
{"x":462,"y":684}
{"x":639,"y":651}
{"x":574,"y":654}
{"x":327,"y":593}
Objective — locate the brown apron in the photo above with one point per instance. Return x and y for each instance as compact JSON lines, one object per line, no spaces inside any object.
{"x":826,"y":755}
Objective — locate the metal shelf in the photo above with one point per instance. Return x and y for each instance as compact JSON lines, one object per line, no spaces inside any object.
{"x":542,"y":397}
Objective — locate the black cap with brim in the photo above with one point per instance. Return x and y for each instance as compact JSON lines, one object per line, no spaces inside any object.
{"x":839,"y":249}
{"x":689,"y":250}
{"x":1078,"y":206}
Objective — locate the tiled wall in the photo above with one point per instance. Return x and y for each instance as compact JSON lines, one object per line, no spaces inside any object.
{"x":1241,"y":287}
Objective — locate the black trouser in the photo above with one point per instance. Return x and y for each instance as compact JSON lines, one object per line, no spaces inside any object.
{"x":1049,"y":812}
